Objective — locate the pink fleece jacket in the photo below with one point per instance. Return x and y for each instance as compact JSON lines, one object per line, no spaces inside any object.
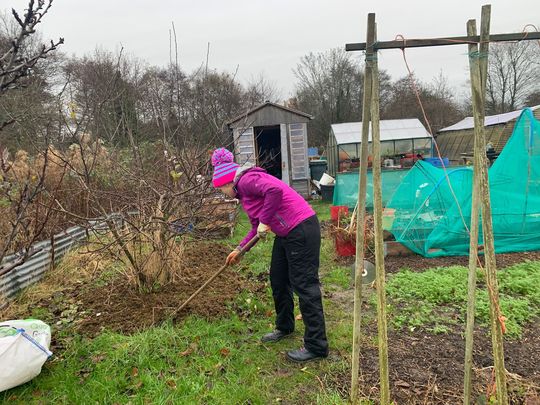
{"x":268,"y":200}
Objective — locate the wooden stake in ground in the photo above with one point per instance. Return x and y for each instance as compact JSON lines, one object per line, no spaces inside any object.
{"x":496,"y":319}
{"x":379,"y":244}
{"x":475,"y":210}
{"x":361,"y":210}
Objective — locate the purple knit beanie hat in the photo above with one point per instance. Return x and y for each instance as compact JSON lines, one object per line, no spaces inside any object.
{"x":224,"y":167}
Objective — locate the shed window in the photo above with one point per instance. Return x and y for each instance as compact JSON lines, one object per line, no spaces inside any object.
{"x":245,"y":146}
{"x":298,"y":147}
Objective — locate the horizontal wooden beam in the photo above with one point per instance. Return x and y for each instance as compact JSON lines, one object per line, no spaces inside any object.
{"x":419,"y":43}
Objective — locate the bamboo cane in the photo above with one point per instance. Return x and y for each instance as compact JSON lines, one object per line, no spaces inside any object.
{"x":379,"y":244}
{"x":473,"y":244}
{"x":361,"y":211}
{"x":487,"y":225}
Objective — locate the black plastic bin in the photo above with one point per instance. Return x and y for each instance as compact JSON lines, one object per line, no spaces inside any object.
{"x":317,"y":168}
{"x":327,"y":193}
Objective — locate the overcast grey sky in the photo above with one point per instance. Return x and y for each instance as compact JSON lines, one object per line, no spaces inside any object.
{"x":270,"y":36}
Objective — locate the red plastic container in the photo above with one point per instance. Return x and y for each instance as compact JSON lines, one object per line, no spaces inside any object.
{"x":344,"y":247}
{"x":338,"y":211}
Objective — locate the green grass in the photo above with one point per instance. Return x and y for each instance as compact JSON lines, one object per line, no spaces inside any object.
{"x":437,"y":298}
{"x":218,"y":362}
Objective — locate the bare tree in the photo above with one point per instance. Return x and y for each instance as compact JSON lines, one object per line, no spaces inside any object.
{"x":14,"y":65}
{"x":151,"y":191}
{"x":330,"y":86}
{"x":513,"y":73}
{"x":22,"y":181}
{"x":533,"y":99}
{"x":437,"y":99}
{"x":260,"y":90}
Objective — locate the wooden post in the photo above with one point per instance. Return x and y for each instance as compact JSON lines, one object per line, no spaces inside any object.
{"x":475,"y":210}
{"x":473,"y":255}
{"x":487,"y":225}
{"x":53,"y":254}
{"x":379,"y":243}
{"x":361,"y":211}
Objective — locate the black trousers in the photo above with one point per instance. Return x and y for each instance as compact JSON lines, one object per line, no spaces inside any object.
{"x":295,"y":267}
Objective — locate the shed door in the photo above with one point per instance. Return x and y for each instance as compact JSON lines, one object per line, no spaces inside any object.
{"x":245,"y":146}
{"x":299,"y":159}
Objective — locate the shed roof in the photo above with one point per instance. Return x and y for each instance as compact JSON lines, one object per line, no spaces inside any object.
{"x":351,"y":132}
{"x":265,"y":104}
{"x":468,"y":123}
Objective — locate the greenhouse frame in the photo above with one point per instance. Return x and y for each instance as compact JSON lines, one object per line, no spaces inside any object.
{"x":402,"y":142}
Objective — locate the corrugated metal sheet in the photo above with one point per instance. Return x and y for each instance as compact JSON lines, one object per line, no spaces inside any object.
{"x":351,"y":132}
{"x":468,"y":123}
{"x":453,"y":144}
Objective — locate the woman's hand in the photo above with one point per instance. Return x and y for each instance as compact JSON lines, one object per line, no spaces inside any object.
{"x":262,"y":230}
{"x":233,"y":258}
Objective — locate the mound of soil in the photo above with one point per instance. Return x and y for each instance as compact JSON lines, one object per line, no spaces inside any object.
{"x":93,"y":305}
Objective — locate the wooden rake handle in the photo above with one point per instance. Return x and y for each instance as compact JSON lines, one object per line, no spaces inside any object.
{"x":243,"y":250}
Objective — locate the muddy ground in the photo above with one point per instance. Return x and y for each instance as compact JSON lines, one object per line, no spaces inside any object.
{"x":428,"y":369}
{"x":90,"y":304}
{"x":126,"y":310}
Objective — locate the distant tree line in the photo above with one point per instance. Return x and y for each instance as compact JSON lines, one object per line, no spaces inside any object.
{"x":330,"y":86}
{"x":118,"y":97}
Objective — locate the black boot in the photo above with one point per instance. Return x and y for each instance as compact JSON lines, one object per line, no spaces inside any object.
{"x":275,"y":336}
{"x":302,"y":355}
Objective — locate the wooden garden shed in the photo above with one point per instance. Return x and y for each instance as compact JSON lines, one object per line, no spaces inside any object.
{"x":274,"y":137}
{"x":457,"y":141}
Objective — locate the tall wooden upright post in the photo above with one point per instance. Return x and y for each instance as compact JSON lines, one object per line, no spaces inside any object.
{"x":487,"y":225}
{"x":361,"y":210}
{"x":379,"y":244}
{"x":473,"y":257}
{"x":475,"y":208}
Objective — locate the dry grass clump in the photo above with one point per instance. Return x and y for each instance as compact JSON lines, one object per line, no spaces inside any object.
{"x":159,"y":264}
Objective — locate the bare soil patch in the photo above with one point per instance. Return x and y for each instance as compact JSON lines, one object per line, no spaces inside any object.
{"x":418,"y":263}
{"x":427,"y":368}
{"x":90,"y":304}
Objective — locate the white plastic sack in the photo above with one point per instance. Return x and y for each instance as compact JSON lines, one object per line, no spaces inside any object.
{"x":24,"y":347}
